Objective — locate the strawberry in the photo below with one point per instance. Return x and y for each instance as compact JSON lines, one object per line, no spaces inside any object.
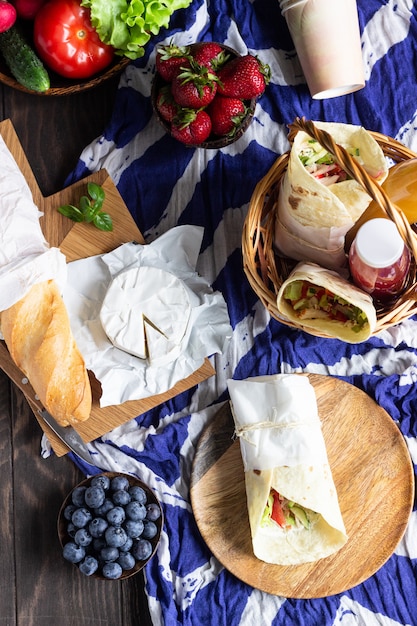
{"x":209,"y":54}
{"x":194,"y":87}
{"x":166,"y":105}
{"x":226,"y":114}
{"x":169,"y":60}
{"x":244,"y":77}
{"x":191,"y":127}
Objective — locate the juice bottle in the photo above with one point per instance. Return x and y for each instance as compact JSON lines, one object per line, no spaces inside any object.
{"x":379,"y":260}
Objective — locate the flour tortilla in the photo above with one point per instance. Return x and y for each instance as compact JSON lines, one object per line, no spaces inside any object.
{"x":336,"y":284}
{"x":318,"y":215}
{"x":283,"y":448}
{"x":310,"y":486}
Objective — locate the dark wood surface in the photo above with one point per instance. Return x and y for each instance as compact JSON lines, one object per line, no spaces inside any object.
{"x":37,"y":587}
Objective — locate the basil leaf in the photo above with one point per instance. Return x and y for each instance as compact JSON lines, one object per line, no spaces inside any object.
{"x":96,"y":193}
{"x":68,"y":210}
{"x":89,"y":209}
{"x":103,"y":221}
{"x":85,"y":206}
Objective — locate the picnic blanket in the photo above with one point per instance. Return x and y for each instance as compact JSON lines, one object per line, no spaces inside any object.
{"x":166,"y":184}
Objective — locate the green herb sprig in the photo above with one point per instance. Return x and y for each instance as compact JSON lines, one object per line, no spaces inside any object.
{"x":89,"y":209}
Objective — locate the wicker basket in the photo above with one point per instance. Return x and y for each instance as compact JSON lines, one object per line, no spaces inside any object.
{"x":266,"y":271}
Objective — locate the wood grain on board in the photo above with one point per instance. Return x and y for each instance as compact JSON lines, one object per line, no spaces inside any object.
{"x":374,"y":478}
{"x":80,"y":240}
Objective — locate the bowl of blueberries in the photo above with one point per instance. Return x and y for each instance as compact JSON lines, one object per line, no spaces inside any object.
{"x":110,"y":525}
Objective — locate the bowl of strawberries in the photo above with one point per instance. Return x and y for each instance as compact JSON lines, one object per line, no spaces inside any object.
{"x":205,"y":94}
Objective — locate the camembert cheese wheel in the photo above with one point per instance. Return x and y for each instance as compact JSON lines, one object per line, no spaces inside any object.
{"x":145,"y":312}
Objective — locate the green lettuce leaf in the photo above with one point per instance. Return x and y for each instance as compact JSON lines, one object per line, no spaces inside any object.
{"x":128,"y":25}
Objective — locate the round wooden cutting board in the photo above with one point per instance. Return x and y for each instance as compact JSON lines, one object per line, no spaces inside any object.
{"x":374,"y":478}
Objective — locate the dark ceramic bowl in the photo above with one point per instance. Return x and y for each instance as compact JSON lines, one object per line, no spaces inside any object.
{"x":213,"y":142}
{"x":65,"y":537}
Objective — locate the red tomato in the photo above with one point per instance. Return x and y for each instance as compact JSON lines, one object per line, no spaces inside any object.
{"x":27,"y":9}
{"x":277,"y":513}
{"x":66,"y":41}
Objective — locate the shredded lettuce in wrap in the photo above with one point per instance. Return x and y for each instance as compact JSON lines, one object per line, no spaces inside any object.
{"x":311,"y":301}
{"x":322,"y":165}
{"x":128,"y":25}
{"x":286,"y":513}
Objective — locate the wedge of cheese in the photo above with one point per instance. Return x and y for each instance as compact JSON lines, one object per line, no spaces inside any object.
{"x":146,"y":312}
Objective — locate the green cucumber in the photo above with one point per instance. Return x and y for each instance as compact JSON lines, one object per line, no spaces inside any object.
{"x":301,"y":515}
{"x":23,"y":62}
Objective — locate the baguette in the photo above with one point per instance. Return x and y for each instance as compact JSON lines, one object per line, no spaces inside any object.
{"x":38,"y":336}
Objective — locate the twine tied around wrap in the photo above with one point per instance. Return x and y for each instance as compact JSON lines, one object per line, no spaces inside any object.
{"x":243,"y":431}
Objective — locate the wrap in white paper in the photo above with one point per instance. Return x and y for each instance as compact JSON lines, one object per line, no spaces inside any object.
{"x":277,"y":421}
{"x":285,"y":459}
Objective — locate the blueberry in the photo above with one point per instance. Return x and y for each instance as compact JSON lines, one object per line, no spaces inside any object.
{"x":127,"y":545}
{"x":150,"y":530}
{"x":115,"y":536}
{"x":89,"y":565}
{"x":153,"y":512}
{"x":133,"y":528}
{"x":81,"y":517}
{"x":135,"y":510}
{"x":104,"y":508}
{"x":119,"y":482}
{"x":138,"y":494}
{"x":77,"y":496}
{"x":109,"y":554}
{"x":110,"y":523}
{"x":99,"y":544}
{"x":116,"y":516}
{"x":100,"y":481}
{"x":126,"y":561}
{"x":82,"y":537}
{"x":97,"y":526}
{"x":68,"y":511}
{"x":73,"y":553}
{"x":142,"y":549}
{"x":71,"y":529}
{"x":94,"y":496}
{"x":112,"y":571}
{"x":121,"y":497}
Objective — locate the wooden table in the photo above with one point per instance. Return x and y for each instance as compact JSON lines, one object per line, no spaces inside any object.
{"x":37,"y":587}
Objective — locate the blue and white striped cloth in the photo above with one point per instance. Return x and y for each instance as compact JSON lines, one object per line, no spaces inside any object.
{"x":165,"y":184}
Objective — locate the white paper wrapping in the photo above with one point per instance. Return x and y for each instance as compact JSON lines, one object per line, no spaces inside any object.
{"x":25,"y":256}
{"x":277,"y":421}
{"x":123,"y":376}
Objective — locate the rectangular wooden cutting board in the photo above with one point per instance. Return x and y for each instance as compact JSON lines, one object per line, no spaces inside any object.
{"x":78,"y":241}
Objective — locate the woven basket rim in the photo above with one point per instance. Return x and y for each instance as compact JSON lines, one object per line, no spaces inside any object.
{"x":266,"y":271}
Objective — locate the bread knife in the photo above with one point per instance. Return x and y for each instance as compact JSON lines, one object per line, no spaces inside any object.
{"x":69,"y":436}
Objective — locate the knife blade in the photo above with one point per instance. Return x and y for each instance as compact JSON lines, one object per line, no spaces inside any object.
{"x":69,"y":436}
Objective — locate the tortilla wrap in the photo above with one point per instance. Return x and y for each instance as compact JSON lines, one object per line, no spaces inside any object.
{"x":337,"y":285}
{"x":321,"y":215}
{"x":332,"y":256}
{"x":283,"y":449}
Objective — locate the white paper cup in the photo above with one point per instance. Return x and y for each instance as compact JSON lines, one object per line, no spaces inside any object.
{"x":327,"y":41}
{"x":286,"y":4}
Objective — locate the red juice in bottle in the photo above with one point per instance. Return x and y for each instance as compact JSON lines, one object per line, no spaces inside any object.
{"x":379,"y":260}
